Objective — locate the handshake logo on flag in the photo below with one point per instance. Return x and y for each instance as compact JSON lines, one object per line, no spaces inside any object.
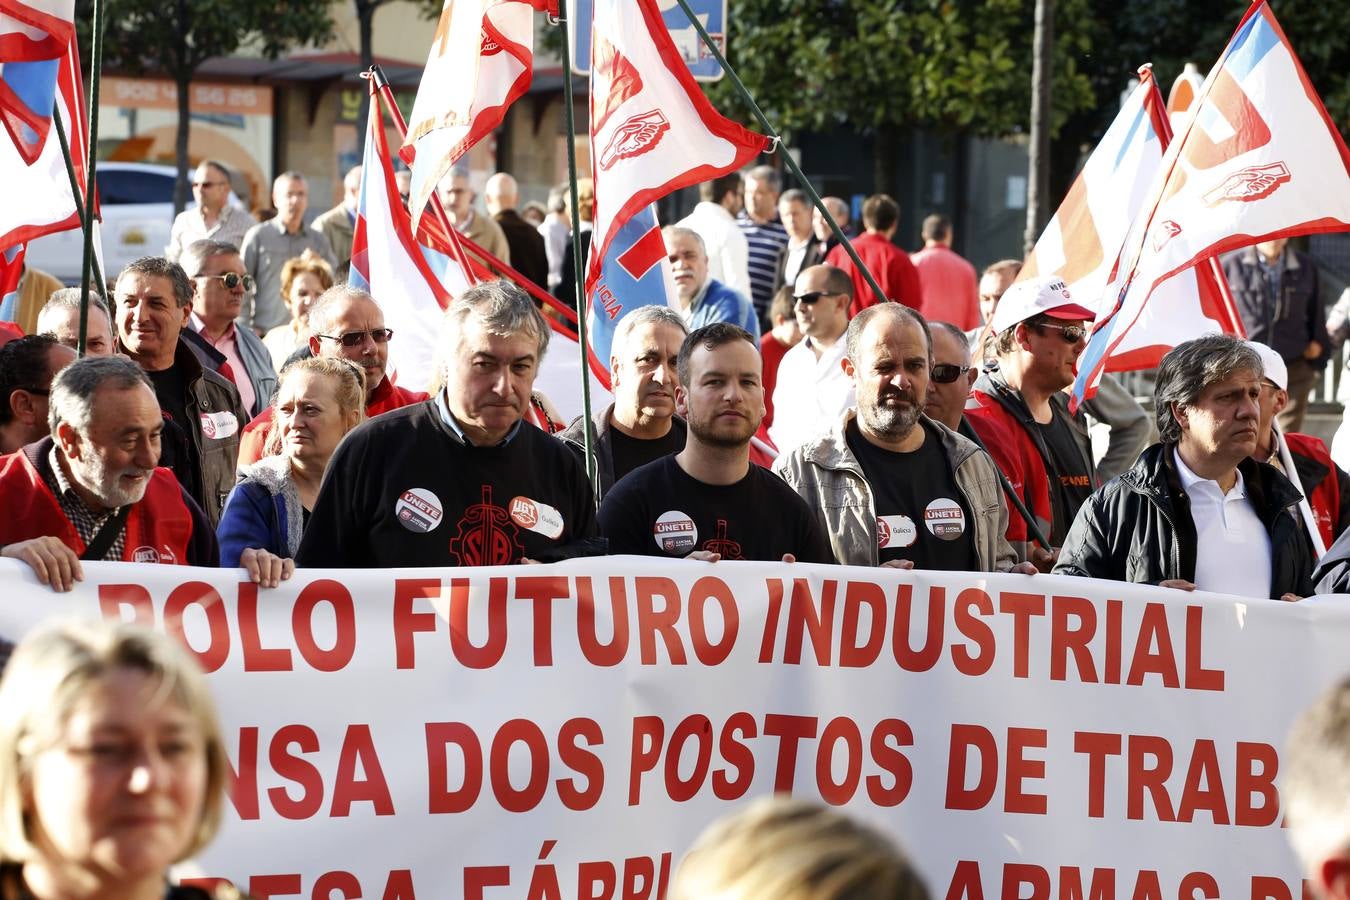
{"x":635,"y":137}
{"x":1251,"y":183}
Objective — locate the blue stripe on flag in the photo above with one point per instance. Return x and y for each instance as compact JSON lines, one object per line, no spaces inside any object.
{"x":618,"y":292}
{"x":1251,"y":45}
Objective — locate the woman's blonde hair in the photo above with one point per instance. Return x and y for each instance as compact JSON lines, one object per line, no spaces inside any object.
{"x":310,"y":262}
{"x":349,"y":389}
{"x":58,"y":664}
{"x":780,"y":848}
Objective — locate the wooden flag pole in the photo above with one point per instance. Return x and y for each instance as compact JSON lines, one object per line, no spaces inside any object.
{"x":579,"y":268}
{"x":791,"y":163}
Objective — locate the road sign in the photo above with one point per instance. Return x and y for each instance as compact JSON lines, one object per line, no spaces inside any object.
{"x":711,"y":13}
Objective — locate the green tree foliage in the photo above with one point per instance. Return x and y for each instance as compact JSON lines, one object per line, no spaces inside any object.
{"x":175,"y":37}
{"x":1170,"y":34}
{"x":883,"y":66}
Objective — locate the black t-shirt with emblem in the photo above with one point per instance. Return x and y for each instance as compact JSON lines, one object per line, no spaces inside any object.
{"x":660,"y":510}
{"x":1072,"y":479}
{"x":403,"y":490}
{"x":921,"y":515}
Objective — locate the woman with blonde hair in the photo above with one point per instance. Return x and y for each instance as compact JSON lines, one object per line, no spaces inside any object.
{"x":319,"y":400}
{"x":781,"y":848}
{"x":303,"y":279}
{"x":112,"y":767}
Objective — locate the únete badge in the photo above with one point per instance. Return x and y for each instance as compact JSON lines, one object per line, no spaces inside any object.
{"x":675,"y":533}
{"x":418,"y":510}
{"x":945,"y":519}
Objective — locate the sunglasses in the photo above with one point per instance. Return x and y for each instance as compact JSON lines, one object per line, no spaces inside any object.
{"x":207,"y":184}
{"x":232,"y":280}
{"x":357,"y":338}
{"x":1071,"y":334}
{"x":946,"y":373}
{"x":810,"y":298}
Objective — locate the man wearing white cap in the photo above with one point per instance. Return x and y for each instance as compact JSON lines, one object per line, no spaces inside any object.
{"x":1021,"y":413}
{"x":1324,"y":483}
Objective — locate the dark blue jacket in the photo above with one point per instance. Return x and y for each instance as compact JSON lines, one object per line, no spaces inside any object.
{"x":263,"y":511}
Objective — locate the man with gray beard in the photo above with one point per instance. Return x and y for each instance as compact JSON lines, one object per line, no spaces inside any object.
{"x":92,"y":489}
{"x":889,"y":485}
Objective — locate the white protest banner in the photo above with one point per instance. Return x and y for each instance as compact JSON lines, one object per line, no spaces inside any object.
{"x":567,"y":730}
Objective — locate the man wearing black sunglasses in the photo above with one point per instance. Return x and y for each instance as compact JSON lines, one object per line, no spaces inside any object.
{"x":1021,"y":413}
{"x":27,"y":367}
{"x":890,"y":486}
{"x":219,"y":285}
{"x":347,"y":324}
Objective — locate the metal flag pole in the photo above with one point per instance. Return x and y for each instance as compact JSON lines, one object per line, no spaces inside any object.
{"x":579,"y":269}
{"x":78,"y":193}
{"x":791,"y":163}
{"x":1033,"y":528}
{"x":91,"y":165}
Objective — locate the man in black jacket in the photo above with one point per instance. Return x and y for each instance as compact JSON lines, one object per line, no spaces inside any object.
{"x":1196,"y":511}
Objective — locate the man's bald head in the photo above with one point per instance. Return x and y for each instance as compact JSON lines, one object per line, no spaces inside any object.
{"x":501,"y":192}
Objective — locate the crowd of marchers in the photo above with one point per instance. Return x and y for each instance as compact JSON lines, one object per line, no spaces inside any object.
{"x":235,"y":408}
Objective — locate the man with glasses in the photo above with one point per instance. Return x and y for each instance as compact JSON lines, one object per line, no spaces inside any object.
{"x":219,"y":285}
{"x":27,"y":367}
{"x":813,"y":389}
{"x":1021,"y":414}
{"x":889,"y":485}
{"x":269,"y":245}
{"x":345,"y":322}
{"x":201,"y":406}
{"x":213,"y":217}
{"x":952,"y":377}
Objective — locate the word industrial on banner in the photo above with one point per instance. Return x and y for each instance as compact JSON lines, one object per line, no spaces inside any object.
{"x":567,"y":730}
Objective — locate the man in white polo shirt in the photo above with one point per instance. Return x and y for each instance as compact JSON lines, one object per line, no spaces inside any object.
{"x":813,"y":390}
{"x":1196,"y":512}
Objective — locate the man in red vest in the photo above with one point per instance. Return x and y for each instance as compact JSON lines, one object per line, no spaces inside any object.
{"x":91,"y":490}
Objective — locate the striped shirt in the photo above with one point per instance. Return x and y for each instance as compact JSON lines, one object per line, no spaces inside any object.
{"x":767,"y":245}
{"x":87,"y":522}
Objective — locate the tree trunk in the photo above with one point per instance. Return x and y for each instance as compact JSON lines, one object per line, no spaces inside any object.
{"x":182,"y":77}
{"x":365,"y":17}
{"x":1042,"y":79}
{"x":885,"y":153}
{"x":180,"y":144}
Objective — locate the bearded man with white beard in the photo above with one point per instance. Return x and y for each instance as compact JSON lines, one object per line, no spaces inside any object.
{"x":889,"y":485}
{"x":92,"y":490}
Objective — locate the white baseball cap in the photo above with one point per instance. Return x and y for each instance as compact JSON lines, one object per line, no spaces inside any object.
{"x":1276,"y":371}
{"x":1045,"y":294}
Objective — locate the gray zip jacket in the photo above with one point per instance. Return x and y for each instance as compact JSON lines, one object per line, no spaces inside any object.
{"x":828,"y":476}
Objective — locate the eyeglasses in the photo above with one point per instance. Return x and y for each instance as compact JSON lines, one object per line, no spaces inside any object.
{"x":946,"y":373}
{"x":232,"y":280}
{"x":207,"y":184}
{"x":357,"y":338}
{"x":1070,"y":334}
{"x":810,"y":297}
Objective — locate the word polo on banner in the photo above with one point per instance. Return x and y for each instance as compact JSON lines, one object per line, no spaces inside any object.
{"x":567,"y":730}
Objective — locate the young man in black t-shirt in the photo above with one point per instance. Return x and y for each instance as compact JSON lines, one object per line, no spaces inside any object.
{"x":459,"y":480}
{"x":709,"y":501}
{"x":890,"y":486}
{"x":640,"y":426}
